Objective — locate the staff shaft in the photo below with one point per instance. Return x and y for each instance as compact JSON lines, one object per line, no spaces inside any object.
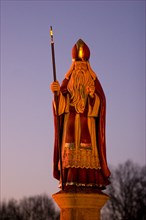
{"x":57,"y":105}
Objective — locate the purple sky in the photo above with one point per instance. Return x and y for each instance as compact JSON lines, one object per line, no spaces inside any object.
{"x":115,"y":34}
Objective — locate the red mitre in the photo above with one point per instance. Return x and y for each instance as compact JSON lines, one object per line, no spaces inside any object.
{"x":80,"y":51}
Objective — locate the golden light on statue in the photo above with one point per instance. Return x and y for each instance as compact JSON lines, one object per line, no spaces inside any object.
{"x":73,"y":92}
{"x":80,"y":52}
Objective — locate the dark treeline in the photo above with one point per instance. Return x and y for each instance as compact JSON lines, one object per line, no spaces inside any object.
{"x":127,"y":193}
{"x":39,"y":207}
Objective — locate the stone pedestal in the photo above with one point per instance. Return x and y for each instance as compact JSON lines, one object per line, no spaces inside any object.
{"x":80,"y":205}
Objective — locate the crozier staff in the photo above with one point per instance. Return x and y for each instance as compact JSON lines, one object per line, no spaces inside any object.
{"x":57,"y":120}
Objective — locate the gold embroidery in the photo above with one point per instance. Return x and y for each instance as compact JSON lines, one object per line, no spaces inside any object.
{"x":81,"y":158}
{"x":82,"y":145}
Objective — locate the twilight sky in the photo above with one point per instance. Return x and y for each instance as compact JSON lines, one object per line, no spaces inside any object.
{"x":115,"y":34}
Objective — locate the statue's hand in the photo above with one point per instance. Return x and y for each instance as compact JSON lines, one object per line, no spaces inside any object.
{"x":55,"y":87}
{"x":90,"y":90}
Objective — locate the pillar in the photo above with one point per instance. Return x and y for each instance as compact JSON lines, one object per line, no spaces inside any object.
{"x":80,"y":206}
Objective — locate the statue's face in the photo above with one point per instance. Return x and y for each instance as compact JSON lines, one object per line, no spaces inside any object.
{"x":80,"y":65}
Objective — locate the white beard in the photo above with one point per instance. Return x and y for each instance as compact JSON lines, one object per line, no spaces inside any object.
{"x":79,"y":81}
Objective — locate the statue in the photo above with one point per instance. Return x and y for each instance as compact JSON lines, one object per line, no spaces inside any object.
{"x":81,"y":112}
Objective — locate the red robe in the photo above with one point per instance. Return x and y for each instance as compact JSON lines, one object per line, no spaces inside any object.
{"x":78,"y":175}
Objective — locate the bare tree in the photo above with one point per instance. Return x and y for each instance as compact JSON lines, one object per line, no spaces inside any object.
{"x":10,"y":211}
{"x":127,"y":193}
{"x":39,"y":207}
